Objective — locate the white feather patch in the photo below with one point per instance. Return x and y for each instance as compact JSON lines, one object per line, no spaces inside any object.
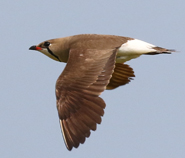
{"x":133,"y":49}
{"x":136,"y":47}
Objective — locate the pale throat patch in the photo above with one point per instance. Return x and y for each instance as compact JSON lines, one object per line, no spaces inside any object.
{"x":133,"y":49}
{"x":45,"y":52}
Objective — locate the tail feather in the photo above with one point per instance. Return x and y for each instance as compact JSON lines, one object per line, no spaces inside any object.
{"x":160,"y":50}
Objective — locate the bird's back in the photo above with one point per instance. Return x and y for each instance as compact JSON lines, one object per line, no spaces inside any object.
{"x":96,"y":41}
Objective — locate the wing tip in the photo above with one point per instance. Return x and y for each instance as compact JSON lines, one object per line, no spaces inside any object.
{"x":69,"y":147}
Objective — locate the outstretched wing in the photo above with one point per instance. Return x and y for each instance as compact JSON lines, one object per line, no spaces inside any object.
{"x":80,"y":108}
{"x":122,"y":75}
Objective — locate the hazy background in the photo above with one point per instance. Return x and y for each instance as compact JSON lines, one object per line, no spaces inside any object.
{"x":144,"y":119}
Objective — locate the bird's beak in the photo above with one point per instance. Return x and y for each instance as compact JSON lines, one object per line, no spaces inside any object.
{"x":35,"y":48}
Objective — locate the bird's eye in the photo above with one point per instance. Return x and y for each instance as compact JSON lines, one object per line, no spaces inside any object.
{"x":46,"y":44}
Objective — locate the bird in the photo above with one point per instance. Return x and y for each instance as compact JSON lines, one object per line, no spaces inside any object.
{"x":95,"y":62}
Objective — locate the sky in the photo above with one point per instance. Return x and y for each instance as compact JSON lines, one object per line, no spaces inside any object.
{"x":145,"y":118}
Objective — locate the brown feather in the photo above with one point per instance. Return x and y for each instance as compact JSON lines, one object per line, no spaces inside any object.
{"x":86,"y":75}
{"x":122,"y":75}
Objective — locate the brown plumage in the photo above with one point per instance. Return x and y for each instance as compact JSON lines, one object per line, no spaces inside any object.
{"x":94,"y":63}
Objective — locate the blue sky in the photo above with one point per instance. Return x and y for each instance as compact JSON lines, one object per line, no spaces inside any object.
{"x":145,"y":118}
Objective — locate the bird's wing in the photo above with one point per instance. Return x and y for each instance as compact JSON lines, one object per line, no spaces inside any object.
{"x":80,"y":108}
{"x":122,"y":75}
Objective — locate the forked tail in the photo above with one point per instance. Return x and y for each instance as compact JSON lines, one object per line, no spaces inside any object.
{"x":160,"y":50}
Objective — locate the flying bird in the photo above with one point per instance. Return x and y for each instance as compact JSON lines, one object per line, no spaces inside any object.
{"x":94,"y":63}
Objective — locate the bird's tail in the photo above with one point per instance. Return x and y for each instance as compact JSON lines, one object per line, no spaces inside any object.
{"x":160,"y":50}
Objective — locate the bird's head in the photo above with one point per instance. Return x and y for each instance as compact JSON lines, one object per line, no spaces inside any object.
{"x":48,"y":48}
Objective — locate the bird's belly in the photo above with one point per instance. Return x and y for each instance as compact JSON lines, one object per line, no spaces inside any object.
{"x":124,"y":58}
